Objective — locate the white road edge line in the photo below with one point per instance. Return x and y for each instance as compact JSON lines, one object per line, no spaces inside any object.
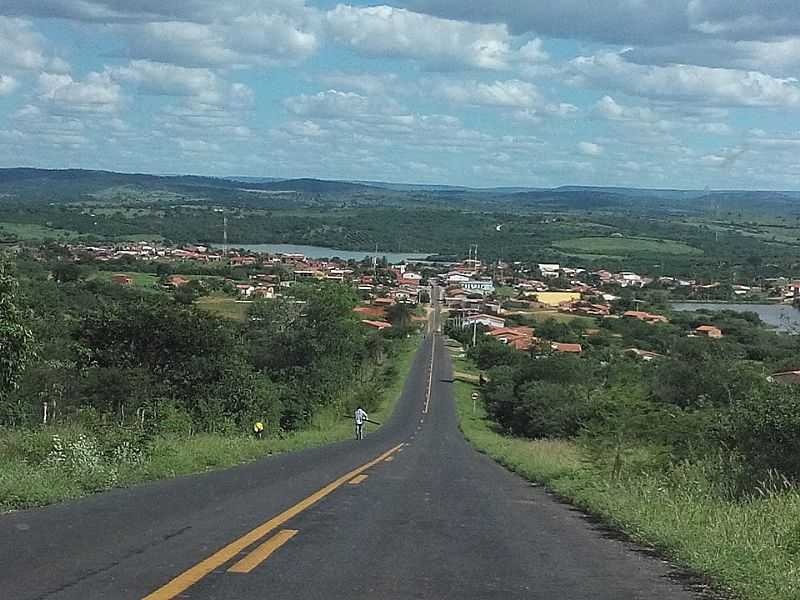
{"x":430,"y":377}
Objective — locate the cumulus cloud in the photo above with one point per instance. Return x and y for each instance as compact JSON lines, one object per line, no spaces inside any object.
{"x":745,"y":19}
{"x":97,"y":93}
{"x":166,"y":79}
{"x":662,"y":118}
{"x":197,"y":146}
{"x":590,"y":148}
{"x":333,"y":104}
{"x":131,"y":11}
{"x":388,"y":31}
{"x":249,"y":39}
{"x":619,"y":21}
{"x":628,"y":22}
{"x":512,"y":93}
{"x":775,"y":57}
{"x":691,"y":83}
{"x":20,"y":45}
{"x":524,"y":98}
{"x":195,"y":32}
{"x":7,"y":85}
{"x":367,"y":83}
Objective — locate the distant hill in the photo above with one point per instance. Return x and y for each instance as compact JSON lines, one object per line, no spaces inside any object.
{"x":68,"y":185}
{"x":72,"y":185}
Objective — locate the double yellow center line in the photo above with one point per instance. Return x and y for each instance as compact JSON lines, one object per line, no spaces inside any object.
{"x":194,"y":574}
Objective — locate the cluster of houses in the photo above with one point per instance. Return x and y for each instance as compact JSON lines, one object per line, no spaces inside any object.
{"x":471,"y":290}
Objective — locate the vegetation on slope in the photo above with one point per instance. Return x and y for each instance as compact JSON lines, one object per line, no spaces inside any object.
{"x":137,"y":386}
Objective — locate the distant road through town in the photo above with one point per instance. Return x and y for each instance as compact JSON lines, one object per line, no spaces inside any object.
{"x":410,"y":512}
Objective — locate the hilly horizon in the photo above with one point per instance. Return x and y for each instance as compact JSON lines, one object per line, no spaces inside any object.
{"x":34,"y":175}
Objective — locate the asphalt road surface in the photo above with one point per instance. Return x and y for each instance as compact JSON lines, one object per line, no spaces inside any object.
{"x":410,"y":512}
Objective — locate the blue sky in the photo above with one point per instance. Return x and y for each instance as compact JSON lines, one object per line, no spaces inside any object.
{"x":667,"y":93}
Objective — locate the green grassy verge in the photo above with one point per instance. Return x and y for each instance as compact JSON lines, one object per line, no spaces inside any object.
{"x":749,"y":548}
{"x":31,"y":474}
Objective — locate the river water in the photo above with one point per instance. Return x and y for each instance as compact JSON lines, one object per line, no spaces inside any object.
{"x":321,"y":252}
{"x":782,"y":316}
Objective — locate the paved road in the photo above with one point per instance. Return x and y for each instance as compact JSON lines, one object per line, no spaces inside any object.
{"x":436,"y":521}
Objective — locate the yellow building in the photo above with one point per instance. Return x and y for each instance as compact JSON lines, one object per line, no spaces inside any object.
{"x":556,"y":298}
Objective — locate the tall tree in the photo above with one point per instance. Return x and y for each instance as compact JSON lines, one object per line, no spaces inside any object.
{"x":16,"y":339}
{"x":399,"y":316}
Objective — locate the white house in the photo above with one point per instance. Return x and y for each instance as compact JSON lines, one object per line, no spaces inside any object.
{"x":549,"y":270}
{"x":457,"y":277}
{"x":483,"y":286}
{"x":482,"y":319}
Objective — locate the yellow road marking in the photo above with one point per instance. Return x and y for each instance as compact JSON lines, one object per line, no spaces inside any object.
{"x":388,"y":459}
{"x":263,"y":552}
{"x":358,"y":479}
{"x":194,"y":574}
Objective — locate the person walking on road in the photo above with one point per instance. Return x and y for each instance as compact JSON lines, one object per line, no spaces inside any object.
{"x":361,"y":418}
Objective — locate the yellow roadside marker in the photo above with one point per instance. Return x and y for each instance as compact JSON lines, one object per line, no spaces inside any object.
{"x":263,"y":552}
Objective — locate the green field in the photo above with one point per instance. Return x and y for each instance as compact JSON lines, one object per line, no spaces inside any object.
{"x":621,"y":246}
{"x":144,"y":280}
{"x":545,"y":315}
{"x":28,"y":231}
{"x":224,"y":306}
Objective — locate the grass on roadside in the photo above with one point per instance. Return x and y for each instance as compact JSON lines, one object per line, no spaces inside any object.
{"x":750,"y":548}
{"x":33,"y":474}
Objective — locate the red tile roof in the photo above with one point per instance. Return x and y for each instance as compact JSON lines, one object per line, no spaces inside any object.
{"x":561,"y":347}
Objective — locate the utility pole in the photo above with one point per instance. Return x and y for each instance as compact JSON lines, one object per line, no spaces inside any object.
{"x":225,"y":235}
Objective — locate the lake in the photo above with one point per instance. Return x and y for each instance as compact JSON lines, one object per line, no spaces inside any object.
{"x":782,"y":316}
{"x":321,"y":252}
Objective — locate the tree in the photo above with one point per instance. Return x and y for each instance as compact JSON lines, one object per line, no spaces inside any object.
{"x":66,"y":271}
{"x":16,"y":339}
{"x":399,"y":316}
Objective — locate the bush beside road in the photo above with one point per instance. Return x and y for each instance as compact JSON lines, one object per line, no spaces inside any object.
{"x":747,"y":547}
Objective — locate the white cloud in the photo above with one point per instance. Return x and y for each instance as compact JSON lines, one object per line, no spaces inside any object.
{"x":617,"y":21}
{"x":590,"y":148}
{"x":712,"y":86}
{"x":7,"y":85}
{"x":745,"y":18}
{"x":166,"y":79}
{"x":197,"y":146}
{"x":366,"y":83}
{"x":189,"y":32}
{"x":511,"y":94}
{"x":641,"y":22}
{"x":534,"y":52}
{"x":97,"y":93}
{"x":140,"y":11}
{"x":20,"y":45}
{"x":261,"y":38}
{"x":779,"y":57}
{"x":441,"y":43}
{"x":334,"y":104}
